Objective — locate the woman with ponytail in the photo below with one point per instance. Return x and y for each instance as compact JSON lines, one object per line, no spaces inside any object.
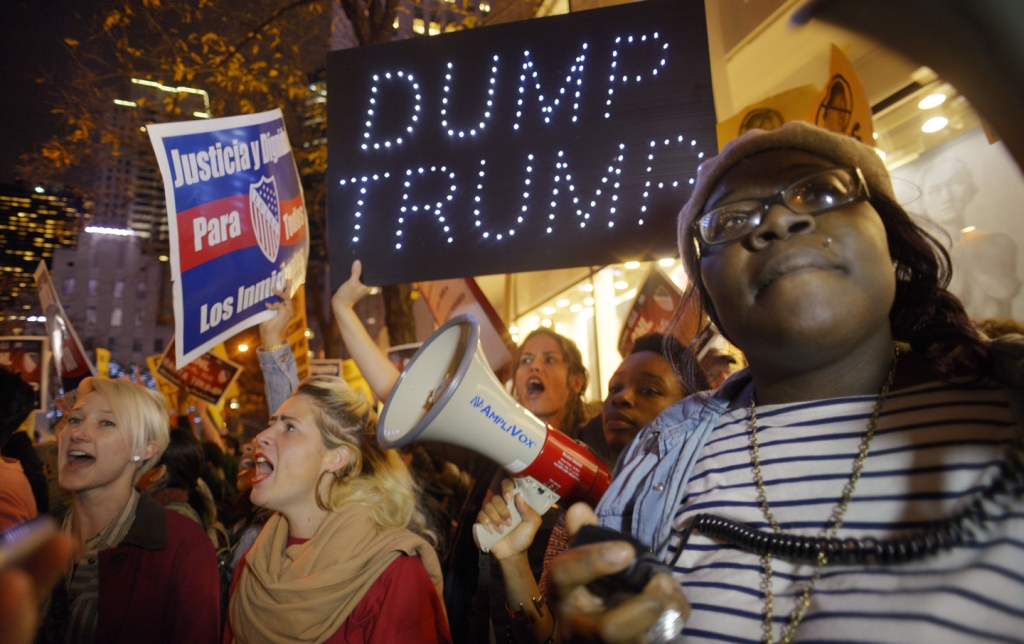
{"x":348,"y":555}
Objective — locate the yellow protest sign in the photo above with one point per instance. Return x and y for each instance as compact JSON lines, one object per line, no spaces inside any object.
{"x":769,"y":114}
{"x":842,"y":105}
{"x":102,"y":362}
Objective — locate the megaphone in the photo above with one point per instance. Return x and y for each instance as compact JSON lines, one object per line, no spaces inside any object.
{"x":448,"y":394}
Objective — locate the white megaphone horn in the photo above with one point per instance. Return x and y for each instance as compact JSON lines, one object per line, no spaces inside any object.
{"x":449,"y":394}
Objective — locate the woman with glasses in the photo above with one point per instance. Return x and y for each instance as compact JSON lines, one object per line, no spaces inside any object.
{"x":862,"y":479}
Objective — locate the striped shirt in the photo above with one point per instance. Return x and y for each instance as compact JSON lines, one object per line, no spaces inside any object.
{"x":935,"y":448}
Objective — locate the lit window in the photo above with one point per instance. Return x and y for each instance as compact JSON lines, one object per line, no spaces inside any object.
{"x":418,"y":25}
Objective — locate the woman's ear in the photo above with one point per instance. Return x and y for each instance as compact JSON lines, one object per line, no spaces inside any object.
{"x":337,"y":458}
{"x":576,"y":383}
{"x":148,"y":453}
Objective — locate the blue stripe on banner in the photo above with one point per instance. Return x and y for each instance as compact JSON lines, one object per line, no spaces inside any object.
{"x":849,"y":456}
{"x":844,"y":476}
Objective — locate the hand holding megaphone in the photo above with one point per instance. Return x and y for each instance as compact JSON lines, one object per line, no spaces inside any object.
{"x":449,"y":394}
{"x":495,"y":518}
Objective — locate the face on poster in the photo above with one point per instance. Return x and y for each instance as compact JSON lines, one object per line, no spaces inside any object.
{"x":27,"y":357}
{"x":208,"y":377}
{"x":237,"y":223}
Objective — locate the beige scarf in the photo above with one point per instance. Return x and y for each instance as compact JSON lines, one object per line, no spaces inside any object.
{"x":305,"y":592}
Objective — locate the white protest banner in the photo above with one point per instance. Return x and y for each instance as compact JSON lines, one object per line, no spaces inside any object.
{"x":237,"y":223}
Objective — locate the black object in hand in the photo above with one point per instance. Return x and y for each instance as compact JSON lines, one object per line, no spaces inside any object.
{"x":634,"y":578}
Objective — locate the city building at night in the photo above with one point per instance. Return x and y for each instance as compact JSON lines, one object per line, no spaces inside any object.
{"x":116,"y":295}
{"x":34,"y":222}
{"x":129,"y":190}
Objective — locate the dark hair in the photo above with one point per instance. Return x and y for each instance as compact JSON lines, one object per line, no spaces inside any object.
{"x":575,"y":411}
{"x":213,"y":454}
{"x":680,"y":358}
{"x":231,"y":443}
{"x":924,"y":313}
{"x":17,"y":400}
{"x":183,"y":459}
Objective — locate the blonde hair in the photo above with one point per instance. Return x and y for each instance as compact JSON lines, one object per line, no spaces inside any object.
{"x":375,"y":477}
{"x":140,"y":412}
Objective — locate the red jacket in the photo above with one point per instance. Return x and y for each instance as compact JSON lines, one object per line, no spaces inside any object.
{"x":401,"y":607}
{"x":160,"y":584}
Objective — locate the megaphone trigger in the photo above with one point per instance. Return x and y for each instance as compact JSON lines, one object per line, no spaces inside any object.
{"x":536,"y":495}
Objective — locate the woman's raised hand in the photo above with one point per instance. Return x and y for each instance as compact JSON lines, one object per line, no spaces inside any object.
{"x":272,"y":330}
{"x":582,"y":615}
{"x":495,"y":516}
{"x":352,"y":290}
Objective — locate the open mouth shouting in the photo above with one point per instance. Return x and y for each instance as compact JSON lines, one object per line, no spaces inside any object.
{"x":534,"y":387}
{"x":78,"y":459}
{"x":264,"y":468}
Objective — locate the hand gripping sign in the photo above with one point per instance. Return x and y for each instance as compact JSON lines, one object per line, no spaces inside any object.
{"x":237,"y":221}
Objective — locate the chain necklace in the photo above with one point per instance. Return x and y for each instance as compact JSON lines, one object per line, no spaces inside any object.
{"x":836,"y":519}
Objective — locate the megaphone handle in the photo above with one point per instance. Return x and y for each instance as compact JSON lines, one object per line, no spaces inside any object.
{"x":537,"y":496}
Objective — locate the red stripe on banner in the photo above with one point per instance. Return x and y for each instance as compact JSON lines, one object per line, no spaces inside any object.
{"x":224,"y":242}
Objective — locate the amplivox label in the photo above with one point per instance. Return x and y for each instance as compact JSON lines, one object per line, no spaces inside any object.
{"x":511,"y":429}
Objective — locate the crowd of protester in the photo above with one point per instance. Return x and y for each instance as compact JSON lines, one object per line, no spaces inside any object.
{"x":831,"y":313}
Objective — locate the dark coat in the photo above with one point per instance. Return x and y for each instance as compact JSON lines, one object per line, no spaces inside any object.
{"x":160,"y":584}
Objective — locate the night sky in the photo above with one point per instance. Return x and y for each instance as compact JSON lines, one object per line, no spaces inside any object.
{"x":31,"y":47}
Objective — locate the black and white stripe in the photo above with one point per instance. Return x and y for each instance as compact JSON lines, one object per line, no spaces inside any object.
{"x":936,"y":447}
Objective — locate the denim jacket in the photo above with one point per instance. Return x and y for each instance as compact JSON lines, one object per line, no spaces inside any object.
{"x":653,"y":472}
{"x":280,"y":375}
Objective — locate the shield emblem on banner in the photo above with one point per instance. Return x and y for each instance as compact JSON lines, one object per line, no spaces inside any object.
{"x":265,"y":215}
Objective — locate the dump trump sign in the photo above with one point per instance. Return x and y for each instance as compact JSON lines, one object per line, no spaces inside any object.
{"x":237,"y":223}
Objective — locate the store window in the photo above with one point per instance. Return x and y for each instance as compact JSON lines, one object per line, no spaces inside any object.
{"x":592,"y":312}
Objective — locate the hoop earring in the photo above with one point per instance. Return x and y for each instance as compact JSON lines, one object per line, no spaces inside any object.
{"x":319,"y":499}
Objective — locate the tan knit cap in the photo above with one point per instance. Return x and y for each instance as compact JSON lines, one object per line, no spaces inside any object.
{"x":797,"y":135}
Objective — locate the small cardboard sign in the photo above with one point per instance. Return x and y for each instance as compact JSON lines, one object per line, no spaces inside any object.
{"x":207,"y":377}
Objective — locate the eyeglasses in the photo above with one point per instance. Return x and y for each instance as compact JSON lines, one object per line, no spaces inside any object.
{"x":812,"y":195}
